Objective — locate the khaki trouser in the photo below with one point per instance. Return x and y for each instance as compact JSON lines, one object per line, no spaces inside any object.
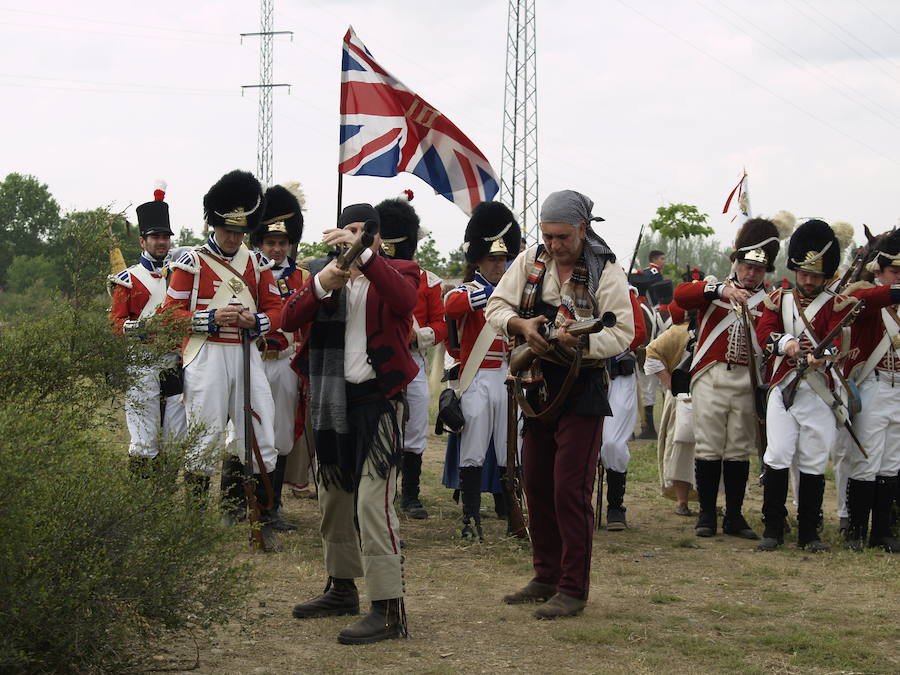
{"x":724,"y":416}
{"x":374,"y":551}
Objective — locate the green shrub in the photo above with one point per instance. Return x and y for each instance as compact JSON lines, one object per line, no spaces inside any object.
{"x":96,"y":565}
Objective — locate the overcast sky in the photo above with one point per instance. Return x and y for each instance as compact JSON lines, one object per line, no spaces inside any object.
{"x":640,"y":102}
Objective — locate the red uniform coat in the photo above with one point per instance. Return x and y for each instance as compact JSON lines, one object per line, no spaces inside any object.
{"x":181,"y":285}
{"x":128,"y":303}
{"x":465,"y":305}
{"x":868,"y":329}
{"x":390,"y":302}
{"x":640,"y":327}
{"x":429,"y":310}
{"x":693,"y":296}
{"x":770,"y":328}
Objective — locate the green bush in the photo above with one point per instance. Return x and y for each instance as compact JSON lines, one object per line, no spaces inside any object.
{"x":96,"y":565}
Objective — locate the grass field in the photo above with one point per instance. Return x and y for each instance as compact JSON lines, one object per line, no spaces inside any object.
{"x":661,"y":600}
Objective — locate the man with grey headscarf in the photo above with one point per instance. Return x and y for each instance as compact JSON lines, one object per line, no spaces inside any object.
{"x":571,"y":276}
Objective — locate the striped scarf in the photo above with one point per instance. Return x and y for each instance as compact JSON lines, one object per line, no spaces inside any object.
{"x":577,"y":301}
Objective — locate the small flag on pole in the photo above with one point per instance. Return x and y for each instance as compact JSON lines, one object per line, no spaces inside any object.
{"x":387,"y":129}
{"x":741,"y":191}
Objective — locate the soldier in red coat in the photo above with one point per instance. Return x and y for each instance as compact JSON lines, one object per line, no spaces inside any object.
{"x":222,"y":289}
{"x":400,"y":234}
{"x":492,"y":239}
{"x":721,"y":385}
{"x":792,"y":324}
{"x":874,"y":365}
{"x":358,"y":324}
{"x":137,"y":292}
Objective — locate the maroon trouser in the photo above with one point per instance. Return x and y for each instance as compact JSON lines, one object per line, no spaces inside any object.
{"x":559,"y":461}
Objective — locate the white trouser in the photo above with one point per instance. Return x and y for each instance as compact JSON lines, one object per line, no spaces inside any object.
{"x":877,"y":425}
{"x":213,"y":395}
{"x":142,"y":414}
{"x":484,"y":406}
{"x":724,"y":413}
{"x":617,"y":429}
{"x":647,"y":385}
{"x":285,"y":386}
{"x":807,"y":431}
{"x":417,"y":401}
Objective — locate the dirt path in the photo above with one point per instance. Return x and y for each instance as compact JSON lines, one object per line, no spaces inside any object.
{"x":661,"y":600}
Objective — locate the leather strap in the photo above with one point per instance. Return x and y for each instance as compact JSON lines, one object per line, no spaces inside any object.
{"x":551,"y":410}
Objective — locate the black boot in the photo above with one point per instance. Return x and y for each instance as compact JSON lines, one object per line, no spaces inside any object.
{"x":197,"y":487}
{"x":648,"y":430}
{"x":501,"y":501}
{"x":885,"y":486}
{"x":734,"y":523}
{"x":409,"y":499}
{"x":340,"y":597}
{"x":615,"y":495}
{"x":231,"y":489}
{"x":385,"y":621}
{"x":809,"y":512}
{"x":470,"y":487}
{"x":775,"y":491}
{"x":706,"y":474}
{"x":860,"y":500}
{"x":278,"y":521}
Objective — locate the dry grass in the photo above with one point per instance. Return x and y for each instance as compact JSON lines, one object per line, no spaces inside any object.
{"x":661,"y":600}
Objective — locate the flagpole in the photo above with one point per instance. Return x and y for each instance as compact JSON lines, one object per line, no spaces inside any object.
{"x":339,"y":195}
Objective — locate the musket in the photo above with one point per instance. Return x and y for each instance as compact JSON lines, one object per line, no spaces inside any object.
{"x":757,"y":388}
{"x":365,"y":240}
{"x":521,"y":357}
{"x":636,"y":247}
{"x":853,"y":271}
{"x":790,"y":391}
{"x":253,"y":507}
{"x":516,"y":525}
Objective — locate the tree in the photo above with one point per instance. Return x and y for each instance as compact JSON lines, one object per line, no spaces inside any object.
{"x":429,"y":257}
{"x":186,"y":237}
{"x":456,"y":264}
{"x":26,"y":272}
{"x":29,"y":216}
{"x":315,"y":250}
{"x":680,"y":221}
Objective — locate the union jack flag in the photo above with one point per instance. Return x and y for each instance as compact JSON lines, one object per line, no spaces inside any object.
{"x":386,"y":129}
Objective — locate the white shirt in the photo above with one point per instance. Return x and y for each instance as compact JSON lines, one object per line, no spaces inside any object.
{"x":356,"y":361}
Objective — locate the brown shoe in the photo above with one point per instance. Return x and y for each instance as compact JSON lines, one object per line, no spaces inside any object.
{"x":385,"y":621}
{"x":560,"y":605}
{"x":533,"y":591}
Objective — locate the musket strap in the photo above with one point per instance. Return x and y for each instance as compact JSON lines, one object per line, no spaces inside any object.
{"x":551,"y":410}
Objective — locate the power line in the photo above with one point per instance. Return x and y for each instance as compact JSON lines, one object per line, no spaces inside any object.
{"x":878,"y":16}
{"x":758,"y":84}
{"x":168,"y":29}
{"x":802,"y":61}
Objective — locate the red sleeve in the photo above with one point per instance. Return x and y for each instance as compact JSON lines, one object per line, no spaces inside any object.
{"x":182,"y":283}
{"x":119,"y":312}
{"x":690,"y":296}
{"x":269,"y":301}
{"x":397,"y":285}
{"x":457,"y":304}
{"x":435,"y":306}
{"x":877,"y":298}
{"x":640,"y":328}
{"x":769,"y":322}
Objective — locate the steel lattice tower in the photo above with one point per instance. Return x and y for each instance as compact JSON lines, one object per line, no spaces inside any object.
{"x":519,"y":164}
{"x":265,"y":86}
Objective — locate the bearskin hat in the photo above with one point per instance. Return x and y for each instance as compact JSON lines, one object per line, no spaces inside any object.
{"x":814,"y":248}
{"x":492,"y":229}
{"x":399,"y":227}
{"x":235,"y":202}
{"x":282,"y":215}
{"x":757,"y":243}
{"x":889,"y":251}
{"x":153,"y":216}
